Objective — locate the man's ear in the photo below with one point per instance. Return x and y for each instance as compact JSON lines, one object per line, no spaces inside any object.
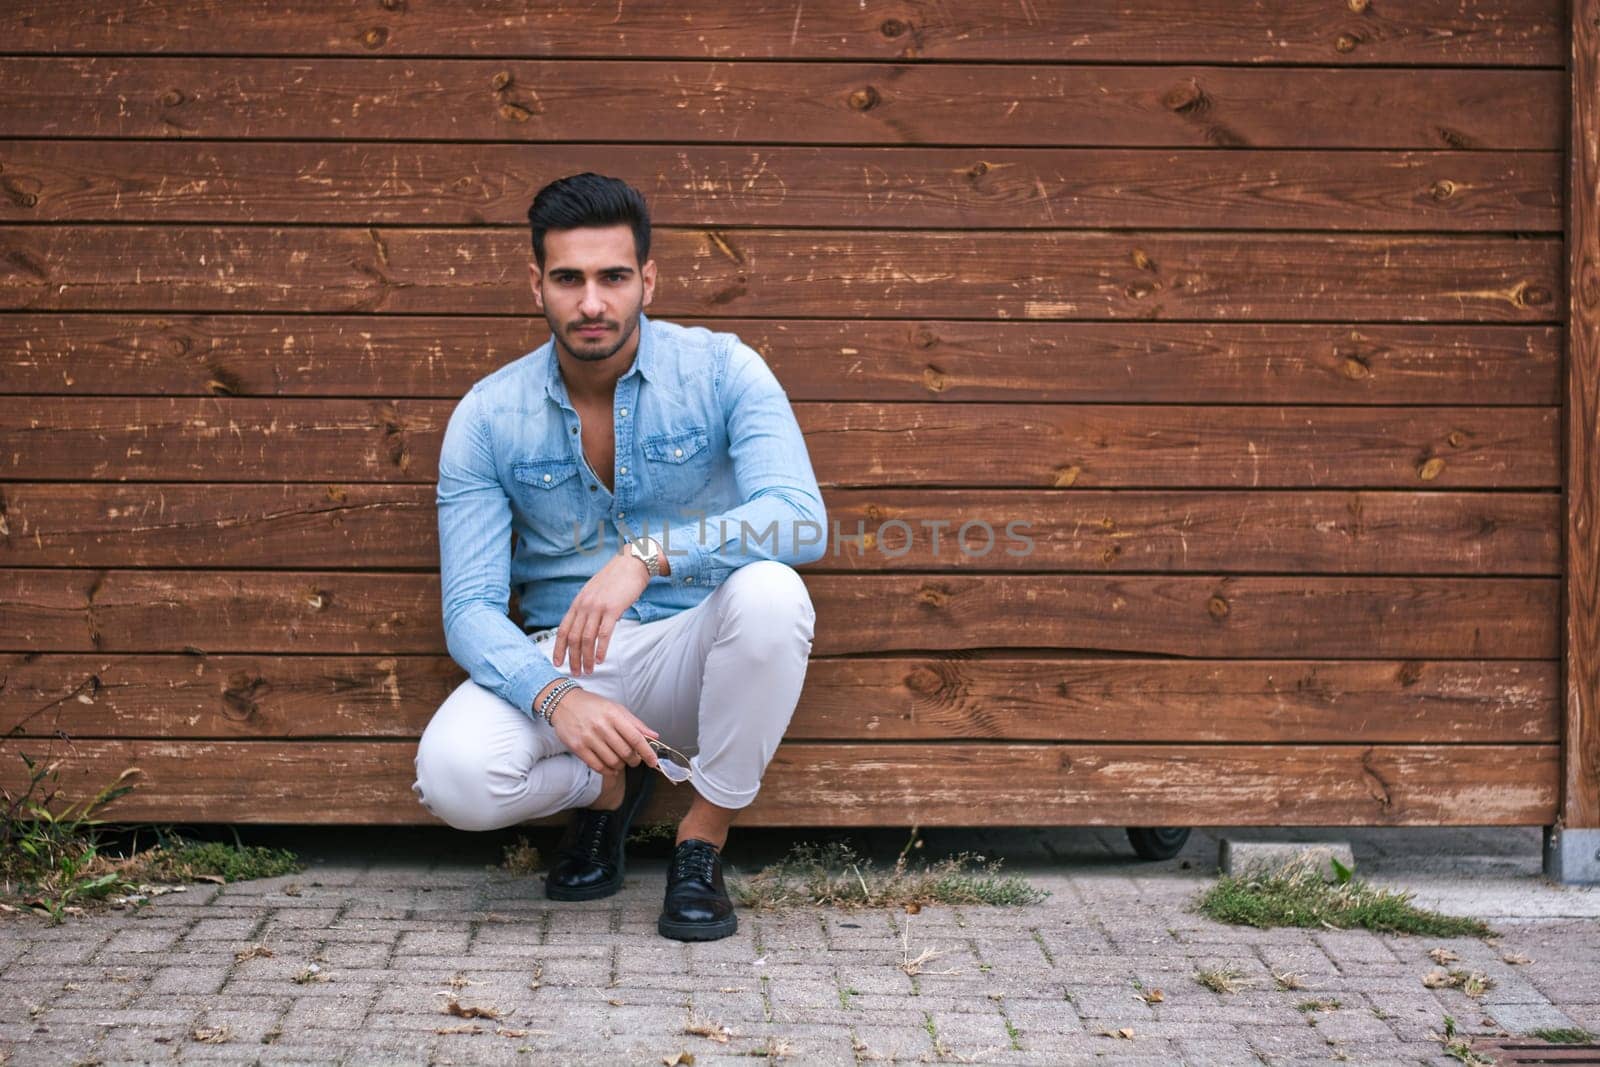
{"x":648,"y":273}
{"x":534,"y":277}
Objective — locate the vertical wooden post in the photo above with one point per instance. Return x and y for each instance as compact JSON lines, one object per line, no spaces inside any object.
{"x":1572,"y":846}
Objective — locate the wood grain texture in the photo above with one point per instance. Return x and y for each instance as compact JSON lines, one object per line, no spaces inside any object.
{"x":382,"y":526}
{"x":1417,"y":33}
{"x":955,"y":445}
{"x":407,"y":184}
{"x":1580,"y":781}
{"x":786,"y":103}
{"x":809,"y":784}
{"x":934,"y":360}
{"x":1037,"y":697}
{"x":363,"y":613}
{"x":802,"y":274}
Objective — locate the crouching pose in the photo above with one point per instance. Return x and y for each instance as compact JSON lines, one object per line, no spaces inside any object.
{"x":660,"y":494}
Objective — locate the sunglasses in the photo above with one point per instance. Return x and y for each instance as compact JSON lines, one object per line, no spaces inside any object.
{"x":675,"y":772}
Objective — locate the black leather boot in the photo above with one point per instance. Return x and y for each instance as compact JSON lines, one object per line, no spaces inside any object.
{"x":589,"y":860}
{"x":697,"y":907}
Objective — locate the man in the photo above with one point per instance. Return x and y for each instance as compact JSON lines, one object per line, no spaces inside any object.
{"x":660,"y":492}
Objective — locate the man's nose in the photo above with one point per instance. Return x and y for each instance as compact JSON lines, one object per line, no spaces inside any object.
{"x":591,"y":306}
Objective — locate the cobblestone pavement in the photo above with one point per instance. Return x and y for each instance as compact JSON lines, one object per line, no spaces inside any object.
{"x":371,"y":943}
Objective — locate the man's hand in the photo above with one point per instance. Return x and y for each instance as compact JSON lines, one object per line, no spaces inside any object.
{"x":585,"y":630}
{"x":602,"y":733}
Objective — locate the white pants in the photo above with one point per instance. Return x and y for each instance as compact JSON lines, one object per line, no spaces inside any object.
{"x":719,"y":681}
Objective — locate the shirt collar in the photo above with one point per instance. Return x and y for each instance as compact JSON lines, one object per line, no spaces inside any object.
{"x":643,"y":362}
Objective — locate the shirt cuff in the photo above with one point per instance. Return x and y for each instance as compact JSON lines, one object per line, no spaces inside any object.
{"x":685,"y":555}
{"x":526,"y":686}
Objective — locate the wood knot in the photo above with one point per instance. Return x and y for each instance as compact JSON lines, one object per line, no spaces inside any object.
{"x":172,"y":98}
{"x":1110,"y":555}
{"x":1344,"y":43}
{"x":926,"y":339}
{"x":316,"y":598}
{"x":1355,"y":368}
{"x":934,"y":379}
{"x":1217,"y":606}
{"x":1430,"y":470}
{"x":1443,"y":189}
{"x":933,"y":596}
{"x":1185,"y":99}
{"x":874,"y":512}
{"x":501,"y":81}
{"x":1065,"y":476}
{"x":1456,"y":439}
{"x":1142,"y":261}
{"x":978,"y":169}
{"x":1359,"y":6}
{"x":1409,"y":674}
{"x":1139,"y":290}
{"x":392,"y":5}
{"x":1532,"y":295}
{"x":925,"y":681}
{"x":335,"y":493}
{"x":376,"y":37}
{"x":892,"y":28}
{"x":864,"y":99}
{"x":515,"y":112}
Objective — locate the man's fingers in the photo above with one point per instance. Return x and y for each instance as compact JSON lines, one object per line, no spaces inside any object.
{"x":607,"y":627}
{"x":619,"y":746}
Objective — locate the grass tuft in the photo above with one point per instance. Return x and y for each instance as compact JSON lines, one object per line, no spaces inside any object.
{"x":1564,"y":1035}
{"x":1298,"y":896}
{"x":835,"y":875}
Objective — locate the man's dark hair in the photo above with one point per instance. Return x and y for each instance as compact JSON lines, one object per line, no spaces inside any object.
{"x":589,"y":199}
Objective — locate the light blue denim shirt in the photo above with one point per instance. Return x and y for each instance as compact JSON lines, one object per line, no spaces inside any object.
{"x":709,"y":461}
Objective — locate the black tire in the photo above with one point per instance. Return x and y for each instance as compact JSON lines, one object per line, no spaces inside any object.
{"x":1158,"y":842}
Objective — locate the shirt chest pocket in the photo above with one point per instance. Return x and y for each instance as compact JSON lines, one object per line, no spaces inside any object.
{"x":549,"y":492}
{"x":678,"y":464}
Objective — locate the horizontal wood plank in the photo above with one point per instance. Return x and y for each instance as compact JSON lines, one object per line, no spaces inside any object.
{"x":802,"y":273}
{"x":934,"y":360}
{"x":366,"y":527}
{"x":885,"y":785}
{"x":900,"y":698}
{"x":332,"y":612}
{"x":528,"y":101}
{"x":1418,"y":32}
{"x":1084,"y":446}
{"x":399,"y":183}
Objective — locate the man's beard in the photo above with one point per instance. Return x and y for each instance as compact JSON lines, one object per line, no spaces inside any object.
{"x":590,"y":354}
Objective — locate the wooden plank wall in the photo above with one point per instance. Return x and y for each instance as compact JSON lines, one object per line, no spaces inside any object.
{"x":1254,"y":312}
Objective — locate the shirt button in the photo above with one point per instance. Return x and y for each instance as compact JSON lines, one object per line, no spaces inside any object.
{"x":622,"y":470}
{"x":677,"y":451}
{"x":547,"y":477}
{"x":621,"y":515}
{"x":593,"y":488}
{"x":623,"y":412}
{"x":574,"y":429}
{"x":688,"y":580}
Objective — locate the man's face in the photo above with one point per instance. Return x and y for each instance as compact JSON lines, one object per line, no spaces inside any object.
{"x":592,"y":289}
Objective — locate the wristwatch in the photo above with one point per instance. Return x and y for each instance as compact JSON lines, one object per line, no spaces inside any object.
{"x":648,"y":551}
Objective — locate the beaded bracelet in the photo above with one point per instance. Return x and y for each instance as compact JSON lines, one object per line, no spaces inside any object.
{"x":547,"y":706}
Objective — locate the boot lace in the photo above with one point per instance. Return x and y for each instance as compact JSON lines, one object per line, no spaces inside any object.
{"x":593,"y":844}
{"x":695,"y":861}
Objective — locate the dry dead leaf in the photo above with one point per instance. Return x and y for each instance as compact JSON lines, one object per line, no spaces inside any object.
{"x":614,"y":1002}
{"x":214,"y":879}
{"x":685,"y":1059}
{"x":1153,"y":996}
{"x":1442,"y":955}
{"x":1437,"y":979}
{"x":254,"y":952}
{"x":465,"y":1028}
{"x":211,"y":1035}
{"x":913,"y":908}
{"x":1125,"y":1032}
{"x":729,"y":989}
{"x":292,"y":889}
{"x":706,"y":1028}
{"x":1289,"y":980}
{"x":452,"y":1006}
{"x":1515,"y":958}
